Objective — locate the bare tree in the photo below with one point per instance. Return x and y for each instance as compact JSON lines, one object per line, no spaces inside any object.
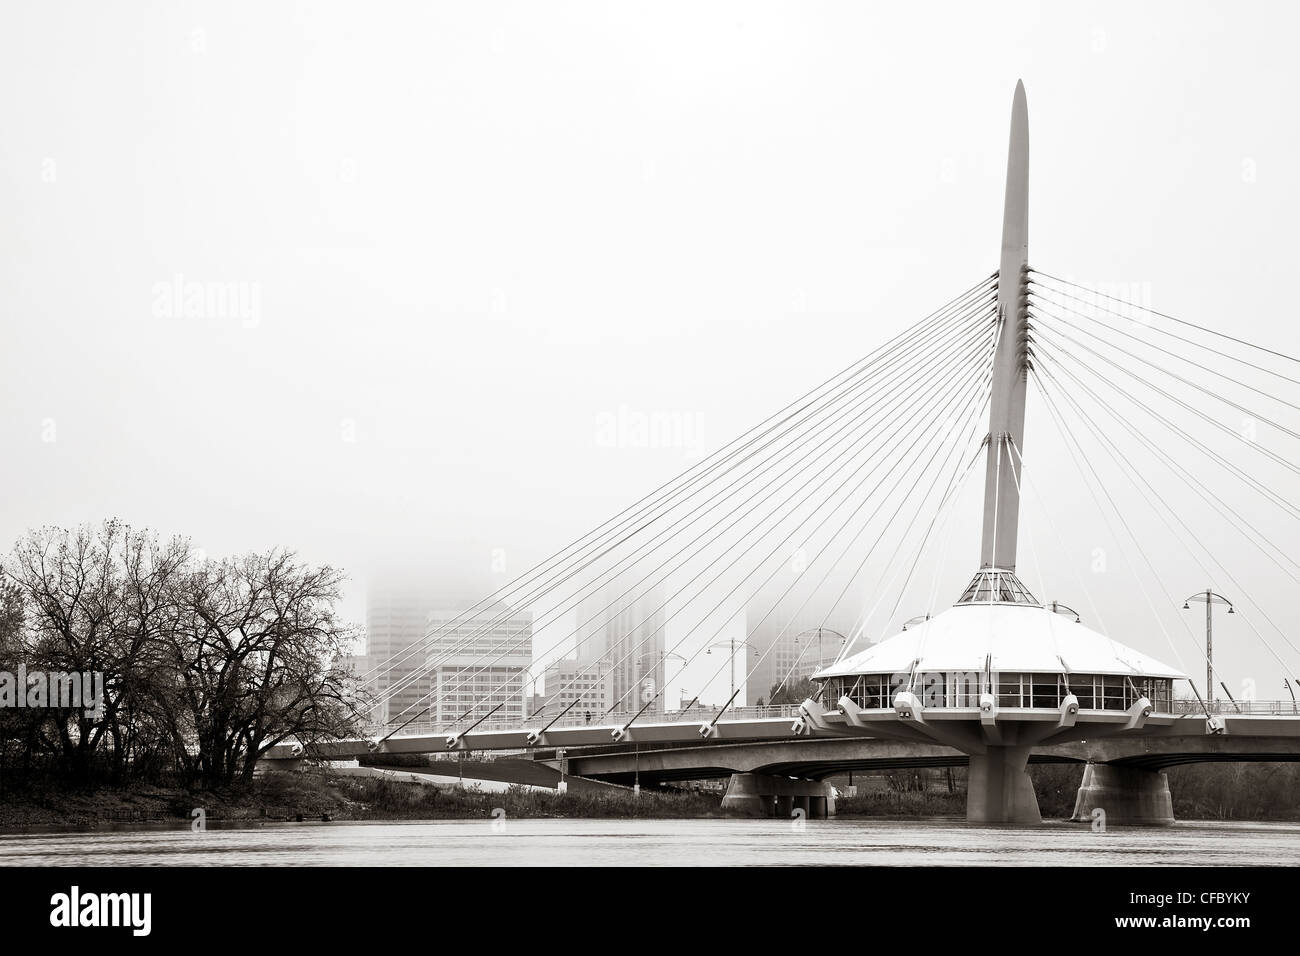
{"x":98,"y":600}
{"x":259,"y":653}
{"x":206,"y":664}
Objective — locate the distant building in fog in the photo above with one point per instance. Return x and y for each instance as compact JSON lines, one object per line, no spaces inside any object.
{"x":395,"y":624}
{"x":398,"y":609}
{"x":787,"y":645}
{"x":626,"y":640}
{"x":477,"y":665}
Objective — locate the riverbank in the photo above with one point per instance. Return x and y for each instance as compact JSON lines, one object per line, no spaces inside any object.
{"x":326,"y":795}
{"x":315,"y":795}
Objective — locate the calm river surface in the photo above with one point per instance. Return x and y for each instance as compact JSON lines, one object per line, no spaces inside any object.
{"x":660,"y":843}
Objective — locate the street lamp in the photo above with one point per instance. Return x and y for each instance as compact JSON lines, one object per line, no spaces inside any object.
{"x":530,"y":687}
{"x":1059,"y":608}
{"x":1210,"y":598}
{"x":821,"y":655}
{"x":732,"y":668}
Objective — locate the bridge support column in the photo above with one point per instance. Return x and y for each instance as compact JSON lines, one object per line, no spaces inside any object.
{"x":998,"y":789}
{"x":1127,"y":796}
{"x":761,"y":795}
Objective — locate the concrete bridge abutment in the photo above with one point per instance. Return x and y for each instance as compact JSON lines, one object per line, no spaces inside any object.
{"x":1125,"y":795}
{"x":763,"y":795}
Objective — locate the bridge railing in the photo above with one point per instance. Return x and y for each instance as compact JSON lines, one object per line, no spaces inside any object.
{"x":575,"y":718}
{"x":1228,"y":708}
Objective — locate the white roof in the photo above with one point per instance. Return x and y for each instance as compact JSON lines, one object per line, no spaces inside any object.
{"x":1020,"y":637}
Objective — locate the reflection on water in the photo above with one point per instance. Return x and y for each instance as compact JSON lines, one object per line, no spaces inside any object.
{"x":662,"y":842}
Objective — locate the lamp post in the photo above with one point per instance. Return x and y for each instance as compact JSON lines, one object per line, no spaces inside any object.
{"x":823,"y":631}
{"x":1210,"y":598}
{"x":1059,"y":608}
{"x":529,"y":688}
{"x":731,"y":668}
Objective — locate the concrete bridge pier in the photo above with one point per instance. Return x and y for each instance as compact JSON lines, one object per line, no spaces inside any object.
{"x":998,"y":788}
{"x":762,"y":795}
{"x":1126,"y":795}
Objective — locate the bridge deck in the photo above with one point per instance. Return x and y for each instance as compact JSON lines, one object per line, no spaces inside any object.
{"x":788,"y":728}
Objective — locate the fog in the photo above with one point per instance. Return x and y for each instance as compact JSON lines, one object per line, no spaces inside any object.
{"x":398,"y":285}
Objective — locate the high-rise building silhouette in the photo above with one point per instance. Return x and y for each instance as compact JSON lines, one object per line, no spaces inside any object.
{"x":398,"y":606}
{"x":624,"y":636}
{"x":395,"y":623}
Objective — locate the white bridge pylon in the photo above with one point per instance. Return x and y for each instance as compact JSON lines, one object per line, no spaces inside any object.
{"x":999,"y":672}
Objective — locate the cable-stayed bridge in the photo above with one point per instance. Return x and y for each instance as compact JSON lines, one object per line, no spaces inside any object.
{"x":863,"y":476}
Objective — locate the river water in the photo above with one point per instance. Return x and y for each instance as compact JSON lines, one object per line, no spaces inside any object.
{"x":660,"y":843}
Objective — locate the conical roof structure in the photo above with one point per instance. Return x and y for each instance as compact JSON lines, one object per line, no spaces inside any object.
{"x":1019,"y":636}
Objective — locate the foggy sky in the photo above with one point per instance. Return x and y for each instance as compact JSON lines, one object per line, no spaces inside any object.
{"x":467,"y":244}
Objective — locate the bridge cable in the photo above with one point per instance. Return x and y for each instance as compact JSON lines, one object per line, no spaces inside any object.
{"x":973,"y":408}
{"x":845,"y":391}
{"x":1199,"y":328}
{"x":1079,"y":465}
{"x":1231,"y":468}
{"x":740,"y":443}
{"x":865,"y":615}
{"x":861,"y":622}
{"x":704,"y":588}
{"x":1174,"y":375}
{"x":955,"y":393}
{"x":945,"y":506}
{"x":1152,"y":327}
{"x":958,"y":421}
{"x":1135,"y":475}
{"x":856,"y":402}
{"x":1042,"y":581}
{"x":1237,"y":520}
{"x":1129,"y":335}
{"x":787,"y":469}
{"x":1065,"y":551}
{"x":849,"y":639}
{"x":952,"y":392}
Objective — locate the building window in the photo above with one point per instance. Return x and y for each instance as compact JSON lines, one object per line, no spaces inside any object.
{"x":1046,"y":691}
{"x":1009,"y":686}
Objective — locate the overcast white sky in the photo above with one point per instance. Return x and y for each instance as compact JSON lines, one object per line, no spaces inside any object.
{"x":470,"y":233}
